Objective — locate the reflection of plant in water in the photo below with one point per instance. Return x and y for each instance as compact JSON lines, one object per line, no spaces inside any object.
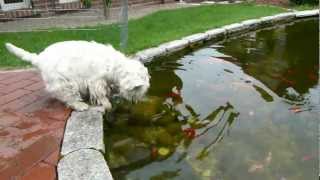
{"x":232,"y":116}
{"x":151,"y":129}
{"x":222,"y":119}
{"x":214,"y":114}
{"x":284,"y":57}
{"x":166,"y":175}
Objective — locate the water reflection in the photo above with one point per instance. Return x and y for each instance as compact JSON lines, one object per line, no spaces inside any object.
{"x":281,"y":59}
{"x":225,"y":112}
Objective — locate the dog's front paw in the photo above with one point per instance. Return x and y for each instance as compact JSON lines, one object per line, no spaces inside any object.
{"x":79,"y":106}
{"x":106,"y":105}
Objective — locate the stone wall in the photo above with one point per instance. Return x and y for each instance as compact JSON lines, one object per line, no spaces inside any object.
{"x":117,"y":3}
{"x":42,"y":7}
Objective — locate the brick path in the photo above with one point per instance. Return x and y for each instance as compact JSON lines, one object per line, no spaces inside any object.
{"x":31,"y":128}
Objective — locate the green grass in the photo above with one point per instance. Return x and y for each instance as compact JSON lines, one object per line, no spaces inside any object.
{"x":145,"y":32}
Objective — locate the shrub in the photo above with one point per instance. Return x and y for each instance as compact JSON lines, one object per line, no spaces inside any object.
{"x":299,"y":2}
{"x":86,"y":3}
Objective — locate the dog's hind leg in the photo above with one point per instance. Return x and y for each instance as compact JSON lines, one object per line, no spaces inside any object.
{"x":99,"y":93}
{"x":70,"y":95}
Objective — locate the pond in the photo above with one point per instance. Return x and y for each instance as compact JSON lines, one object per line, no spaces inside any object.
{"x":245,"y":108}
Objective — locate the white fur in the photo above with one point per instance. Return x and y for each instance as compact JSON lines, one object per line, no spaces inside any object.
{"x":73,"y":70}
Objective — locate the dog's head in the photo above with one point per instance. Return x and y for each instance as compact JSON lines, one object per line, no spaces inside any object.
{"x":135,"y":81}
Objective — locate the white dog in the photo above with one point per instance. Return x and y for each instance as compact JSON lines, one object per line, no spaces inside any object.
{"x":74,"y":71}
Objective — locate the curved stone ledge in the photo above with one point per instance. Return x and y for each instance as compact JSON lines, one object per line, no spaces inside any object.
{"x":308,"y":13}
{"x":221,"y":33}
{"x":216,"y":34}
{"x":174,"y":46}
{"x":149,"y":54}
{"x":252,"y":24}
{"x":235,"y":29}
{"x":196,"y":38}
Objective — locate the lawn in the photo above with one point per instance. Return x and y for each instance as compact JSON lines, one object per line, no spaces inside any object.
{"x":145,"y":32}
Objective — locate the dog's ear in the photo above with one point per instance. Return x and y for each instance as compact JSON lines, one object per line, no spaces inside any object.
{"x":137,"y":85}
{"x":137,"y":88}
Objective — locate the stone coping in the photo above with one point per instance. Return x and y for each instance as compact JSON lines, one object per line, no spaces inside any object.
{"x":83,"y":146}
{"x":218,"y":34}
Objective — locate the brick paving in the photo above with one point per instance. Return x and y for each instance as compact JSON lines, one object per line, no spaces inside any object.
{"x":31,"y":128}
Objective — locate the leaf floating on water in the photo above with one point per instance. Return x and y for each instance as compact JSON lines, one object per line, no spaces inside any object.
{"x":259,"y":166}
{"x":191,"y":111}
{"x":206,"y":173}
{"x":268,"y":158}
{"x":212,"y":116}
{"x":232,"y":117}
{"x":204,"y":153}
{"x":182,"y":157}
{"x":255,"y":167}
{"x":263,"y":93}
{"x":229,"y":71}
{"x":192,"y":120}
{"x":165,"y":175}
{"x":163,"y":151}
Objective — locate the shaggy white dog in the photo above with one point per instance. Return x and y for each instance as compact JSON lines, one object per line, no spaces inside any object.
{"x":76,"y":71}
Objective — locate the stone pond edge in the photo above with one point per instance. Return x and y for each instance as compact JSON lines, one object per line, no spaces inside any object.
{"x":83,"y":145}
{"x":218,"y":34}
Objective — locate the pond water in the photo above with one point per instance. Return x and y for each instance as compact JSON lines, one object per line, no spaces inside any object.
{"x":246,"y":108}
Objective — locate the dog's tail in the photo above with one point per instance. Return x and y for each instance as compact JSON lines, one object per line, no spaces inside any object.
{"x":22,"y":54}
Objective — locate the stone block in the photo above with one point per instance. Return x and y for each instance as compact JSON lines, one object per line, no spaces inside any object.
{"x":236,"y":28}
{"x":196,"y":38}
{"x":84,"y":164}
{"x":84,"y":130}
{"x":216,"y":34}
{"x":174,"y":46}
{"x":148,"y":54}
{"x":308,"y":13}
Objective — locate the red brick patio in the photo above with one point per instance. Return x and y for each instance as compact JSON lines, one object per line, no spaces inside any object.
{"x":31,"y":128}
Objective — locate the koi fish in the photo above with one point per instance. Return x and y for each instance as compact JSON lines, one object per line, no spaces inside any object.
{"x":289,"y":72}
{"x":312,"y":77}
{"x":308,"y":157}
{"x":174,"y":95}
{"x":295,"y":109}
{"x":154,"y":152}
{"x":190,"y":133}
{"x":287,"y":81}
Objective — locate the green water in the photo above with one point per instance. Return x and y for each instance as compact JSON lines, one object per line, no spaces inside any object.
{"x":246,"y":108}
